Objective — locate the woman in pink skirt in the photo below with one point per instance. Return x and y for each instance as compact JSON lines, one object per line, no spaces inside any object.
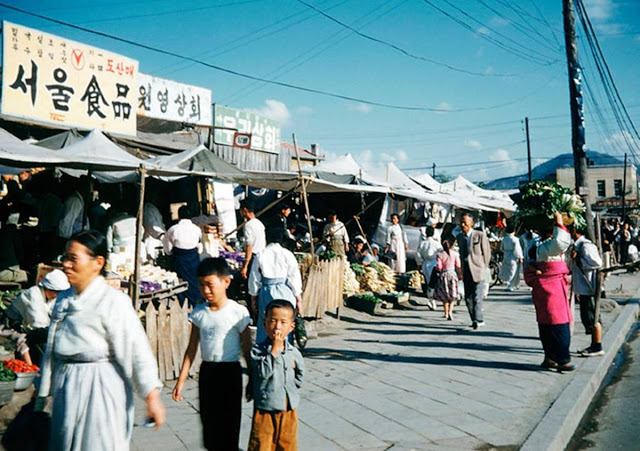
{"x":448,"y":263}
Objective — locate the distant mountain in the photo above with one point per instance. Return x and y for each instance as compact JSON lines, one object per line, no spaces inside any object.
{"x":547,"y":170}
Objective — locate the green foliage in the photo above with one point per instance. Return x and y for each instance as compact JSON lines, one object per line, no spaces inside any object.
{"x":543,"y":198}
{"x":358,"y":269}
{"x":328,"y":255}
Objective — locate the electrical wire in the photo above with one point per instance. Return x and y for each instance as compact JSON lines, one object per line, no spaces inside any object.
{"x":400,"y":49}
{"x":253,"y":77}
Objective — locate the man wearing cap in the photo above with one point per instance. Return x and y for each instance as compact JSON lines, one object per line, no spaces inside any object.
{"x":34,"y":305}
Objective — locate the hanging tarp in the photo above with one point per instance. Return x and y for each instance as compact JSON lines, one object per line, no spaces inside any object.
{"x":16,"y":153}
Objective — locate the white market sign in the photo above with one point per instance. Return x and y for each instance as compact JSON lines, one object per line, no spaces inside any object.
{"x":172,"y":101}
{"x":229,"y":123}
{"x":46,"y":78}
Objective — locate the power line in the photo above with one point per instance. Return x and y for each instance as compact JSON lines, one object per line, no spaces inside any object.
{"x":253,"y":77}
{"x":400,"y":49}
{"x":507,"y":48}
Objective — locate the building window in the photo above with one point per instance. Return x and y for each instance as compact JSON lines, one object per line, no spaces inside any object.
{"x":602,"y":192}
{"x":617,"y":187}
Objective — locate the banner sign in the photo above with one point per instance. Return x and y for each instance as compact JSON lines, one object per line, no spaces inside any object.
{"x":265,"y":133}
{"x":50,"y":79}
{"x":172,"y":101}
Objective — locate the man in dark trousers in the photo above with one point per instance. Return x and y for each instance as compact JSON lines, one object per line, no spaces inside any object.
{"x":475,"y":254}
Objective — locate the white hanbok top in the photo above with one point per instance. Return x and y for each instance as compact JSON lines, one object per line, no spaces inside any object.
{"x":275,"y":262}
{"x":34,"y":308}
{"x":583,"y":274}
{"x":553,"y":249}
{"x":184,"y":235}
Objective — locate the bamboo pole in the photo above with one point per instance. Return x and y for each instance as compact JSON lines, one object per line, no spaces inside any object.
{"x":304,"y":194}
{"x":362,"y":232}
{"x":139,"y":219}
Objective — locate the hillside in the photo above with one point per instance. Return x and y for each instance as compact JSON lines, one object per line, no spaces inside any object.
{"x":547,"y":169}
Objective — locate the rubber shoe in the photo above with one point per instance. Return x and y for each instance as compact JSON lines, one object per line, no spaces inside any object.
{"x":566,"y":368}
{"x":549,"y":364}
{"x":480,"y":323}
{"x":589,"y":352}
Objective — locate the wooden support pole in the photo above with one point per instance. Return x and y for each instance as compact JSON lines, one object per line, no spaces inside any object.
{"x":304,"y":195}
{"x":139,"y":223}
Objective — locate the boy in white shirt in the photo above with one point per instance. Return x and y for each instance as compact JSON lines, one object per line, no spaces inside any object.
{"x":223,"y":325}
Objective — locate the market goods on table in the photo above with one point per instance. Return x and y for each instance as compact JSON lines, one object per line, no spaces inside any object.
{"x":416,"y":279}
{"x":153,"y":278}
{"x":235,"y":259}
{"x":541,"y":199}
{"x":351,"y":285}
{"x":7,"y":375}
{"x":19,"y":366}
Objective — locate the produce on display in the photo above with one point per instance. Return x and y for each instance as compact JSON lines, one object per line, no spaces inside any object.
{"x":386,"y":275}
{"x":416,"y":280}
{"x":235,"y":259}
{"x":7,"y":375}
{"x":540,"y":199}
{"x":153,"y":278}
{"x":351,"y":284}
{"x":19,"y":366}
{"x":327,"y":255}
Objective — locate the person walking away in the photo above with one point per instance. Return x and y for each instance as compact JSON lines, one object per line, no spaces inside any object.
{"x":512,"y":259}
{"x":33,"y":307}
{"x":97,"y":352}
{"x":475,"y":255}
{"x":336,"y":233}
{"x":548,"y":277}
{"x":427,"y":254}
{"x":448,"y":264}
{"x":398,"y":244}
{"x":274,"y":275}
{"x":73,"y":218}
{"x":584,"y":262}
{"x":528,"y":240}
{"x":254,"y":236}
{"x":625,"y":241}
{"x":278,"y":372}
{"x":181,"y":241}
{"x":220,"y":326}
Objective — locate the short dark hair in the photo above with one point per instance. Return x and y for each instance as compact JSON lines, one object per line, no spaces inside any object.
{"x":249,"y":205}
{"x":184,"y":212}
{"x":396,"y":215}
{"x":274,"y":234}
{"x":510,"y":228}
{"x":217,"y":266}
{"x":280,"y":303}
{"x":430,"y":231}
{"x":332,"y":213}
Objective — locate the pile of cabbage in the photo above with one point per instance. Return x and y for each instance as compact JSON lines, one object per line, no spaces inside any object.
{"x":540,"y":199}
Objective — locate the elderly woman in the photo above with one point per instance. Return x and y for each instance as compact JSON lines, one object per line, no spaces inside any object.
{"x":397,"y":245}
{"x":97,"y":351}
{"x":549,"y":279}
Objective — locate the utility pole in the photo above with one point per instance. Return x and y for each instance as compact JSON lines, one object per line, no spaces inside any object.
{"x":526,"y":126}
{"x":577,"y":113}
{"x":433,"y":171}
{"x":624,"y":188}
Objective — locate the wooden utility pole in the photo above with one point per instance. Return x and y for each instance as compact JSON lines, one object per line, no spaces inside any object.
{"x":576,"y":103}
{"x":526,"y":126}
{"x":433,"y":171}
{"x":624,"y":188}
{"x":304,"y":194}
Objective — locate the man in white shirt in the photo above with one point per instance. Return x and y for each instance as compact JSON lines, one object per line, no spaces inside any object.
{"x":73,"y":216}
{"x":254,"y":236}
{"x":336,"y":233}
{"x":585,"y":260}
{"x":181,"y":241}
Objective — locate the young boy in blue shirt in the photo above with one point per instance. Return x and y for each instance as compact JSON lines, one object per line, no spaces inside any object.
{"x":220,"y":326}
{"x":277,"y":369}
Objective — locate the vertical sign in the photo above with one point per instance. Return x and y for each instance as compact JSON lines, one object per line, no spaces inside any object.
{"x":172,"y":101}
{"x":229,"y":123}
{"x":51,"y":79}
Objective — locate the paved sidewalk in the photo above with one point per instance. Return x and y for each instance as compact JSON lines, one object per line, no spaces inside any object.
{"x":410,"y":380}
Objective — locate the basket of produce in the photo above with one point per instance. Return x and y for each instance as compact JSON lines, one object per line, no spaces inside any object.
{"x":541,"y":199}
{"x":7,"y":385}
{"x":367,"y":303}
{"x":23,"y":372}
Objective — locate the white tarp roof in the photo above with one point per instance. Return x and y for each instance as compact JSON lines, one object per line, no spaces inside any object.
{"x":98,"y":152}
{"x":495,"y":199}
{"x":16,"y":153}
{"x":426,"y":180}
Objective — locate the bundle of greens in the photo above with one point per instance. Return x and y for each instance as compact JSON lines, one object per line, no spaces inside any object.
{"x":540,"y":199}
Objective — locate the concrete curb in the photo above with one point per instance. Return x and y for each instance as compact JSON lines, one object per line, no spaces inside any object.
{"x":563,"y":417}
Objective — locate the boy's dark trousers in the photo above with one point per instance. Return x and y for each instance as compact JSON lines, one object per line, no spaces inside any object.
{"x":220,"y":388}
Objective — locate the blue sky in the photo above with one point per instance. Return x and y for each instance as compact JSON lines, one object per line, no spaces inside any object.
{"x":513,"y":49}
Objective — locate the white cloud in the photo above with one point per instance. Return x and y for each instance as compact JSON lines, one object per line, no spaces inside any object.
{"x":488,"y":70}
{"x":480,"y":52}
{"x":304,"y":110}
{"x":274,"y":109}
{"x":599,"y":9}
{"x":370,"y":160}
{"x":473,"y":144}
{"x":484,"y":31}
{"x":359,"y":107}
{"x":444,"y":107}
{"x":621,"y":139}
{"x":499,"y":21}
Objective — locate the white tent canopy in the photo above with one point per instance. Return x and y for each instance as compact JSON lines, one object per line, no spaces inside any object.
{"x":16,"y":153}
{"x":98,"y":152}
{"x":425,"y":179}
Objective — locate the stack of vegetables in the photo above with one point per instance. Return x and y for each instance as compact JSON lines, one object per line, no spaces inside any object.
{"x":386,"y":276}
{"x":540,"y":199}
{"x":351,"y":285}
{"x":18,"y":366}
{"x":416,"y":280}
{"x":154,"y":278}
{"x":7,"y":375}
{"x":234,"y":259}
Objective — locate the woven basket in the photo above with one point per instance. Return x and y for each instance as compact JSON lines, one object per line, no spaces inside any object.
{"x":6,"y":391}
